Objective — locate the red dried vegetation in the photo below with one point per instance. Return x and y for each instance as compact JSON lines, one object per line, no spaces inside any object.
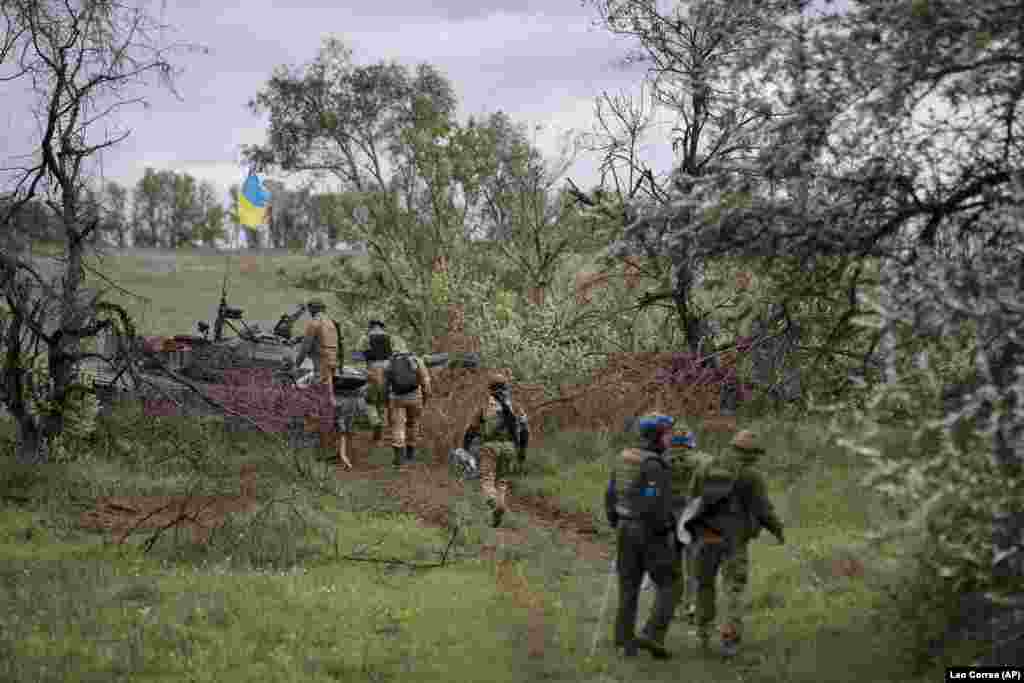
{"x":124,"y":515}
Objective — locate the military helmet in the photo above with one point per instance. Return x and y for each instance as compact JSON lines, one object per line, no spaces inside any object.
{"x":316,"y":305}
{"x":374,"y":322}
{"x":654,"y":424}
{"x":748,"y":441}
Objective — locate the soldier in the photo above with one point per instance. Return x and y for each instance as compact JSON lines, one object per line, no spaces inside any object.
{"x":640,"y":508}
{"x":378,"y":351}
{"x":684,"y":464}
{"x":494,"y":435}
{"x":322,"y":343}
{"x":733,"y":509}
{"x":407,"y":383}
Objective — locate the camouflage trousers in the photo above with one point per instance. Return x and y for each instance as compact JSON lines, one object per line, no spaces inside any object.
{"x":495,"y":459}
{"x":734,"y":563}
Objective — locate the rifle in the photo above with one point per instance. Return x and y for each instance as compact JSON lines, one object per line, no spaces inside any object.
{"x":512,"y":424}
{"x":224,"y":312}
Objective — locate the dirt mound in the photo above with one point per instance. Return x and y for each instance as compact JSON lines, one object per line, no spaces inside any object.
{"x":123,"y":515}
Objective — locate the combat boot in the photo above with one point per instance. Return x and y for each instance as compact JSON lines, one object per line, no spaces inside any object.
{"x":396,"y":462}
{"x":730,"y":641}
{"x":410,"y":453}
{"x":656,"y":648}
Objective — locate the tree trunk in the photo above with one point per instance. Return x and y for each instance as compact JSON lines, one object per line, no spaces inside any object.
{"x":32,"y":446}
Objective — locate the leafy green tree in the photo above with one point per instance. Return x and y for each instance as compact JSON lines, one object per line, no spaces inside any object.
{"x":211,"y":226}
{"x":115,"y":224}
{"x":407,"y":181}
{"x":533,"y":226}
{"x":896,"y":153}
{"x":147,"y":201}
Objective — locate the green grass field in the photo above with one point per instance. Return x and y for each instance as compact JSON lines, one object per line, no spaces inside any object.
{"x":272,"y":598}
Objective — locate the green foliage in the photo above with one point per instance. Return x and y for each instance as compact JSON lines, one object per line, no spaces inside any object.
{"x":941,"y":476}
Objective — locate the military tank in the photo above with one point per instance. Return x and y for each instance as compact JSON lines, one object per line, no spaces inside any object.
{"x":207,"y":359}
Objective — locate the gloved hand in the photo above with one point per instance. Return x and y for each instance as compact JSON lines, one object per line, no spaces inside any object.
{"x":613,"y":519}
{"x":610,"y":499}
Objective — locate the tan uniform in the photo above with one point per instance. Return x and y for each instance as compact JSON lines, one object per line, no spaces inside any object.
{"x":323,"y":339}
{"x":405,"y":411}
{"x":320,"y":343}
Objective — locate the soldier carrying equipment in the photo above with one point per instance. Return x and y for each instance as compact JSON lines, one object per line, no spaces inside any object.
{"x":641,"y":511}
{"x":492,"y":439}
{"x":517,"y":426}
{"x":731,"y":507}
{"x":407,"y":387}
{"x":378,"y":352}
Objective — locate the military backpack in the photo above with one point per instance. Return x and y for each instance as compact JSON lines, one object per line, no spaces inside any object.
{"x":719,"y":509}
{"x":648,"y":495}
{"x":402,"y":373}
{"x":380,"y":346}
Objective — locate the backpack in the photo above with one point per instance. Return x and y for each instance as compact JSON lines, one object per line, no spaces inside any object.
{"x":649,"y":495}
{"x":380,"y":347}
{"x":719,"y":505}
{"x":402,"y":374}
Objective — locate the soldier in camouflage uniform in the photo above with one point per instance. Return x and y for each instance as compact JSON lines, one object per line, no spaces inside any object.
{"x":725,"y":536}
{"x":489,"y":441}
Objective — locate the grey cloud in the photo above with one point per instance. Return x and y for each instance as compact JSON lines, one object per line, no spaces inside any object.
{"x":499,"y":54}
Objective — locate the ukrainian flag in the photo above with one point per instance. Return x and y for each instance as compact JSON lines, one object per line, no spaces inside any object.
{"x":253,"y":201}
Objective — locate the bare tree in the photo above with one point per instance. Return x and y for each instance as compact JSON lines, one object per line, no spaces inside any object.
{"x":80,"y":59}
{"x":704,"y":61}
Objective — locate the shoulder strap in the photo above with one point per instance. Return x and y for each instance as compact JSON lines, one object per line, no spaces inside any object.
{"x":661,"y":461}
{"x":341,"y":347}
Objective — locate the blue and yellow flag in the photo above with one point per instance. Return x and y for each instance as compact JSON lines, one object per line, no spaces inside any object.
{"x":253,"y":201}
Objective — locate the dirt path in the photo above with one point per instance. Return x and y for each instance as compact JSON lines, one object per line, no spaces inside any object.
{"x":426,"y":490}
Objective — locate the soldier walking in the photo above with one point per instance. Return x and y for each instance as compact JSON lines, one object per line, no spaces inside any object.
{"x":733,"y":508}
{"x":496,"y":435}
{"x":407,"y":383}
{"x":321,"y":342}
{"x":638,"y":503}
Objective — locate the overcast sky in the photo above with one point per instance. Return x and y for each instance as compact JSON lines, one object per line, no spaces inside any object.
{"x":541,"y":61}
